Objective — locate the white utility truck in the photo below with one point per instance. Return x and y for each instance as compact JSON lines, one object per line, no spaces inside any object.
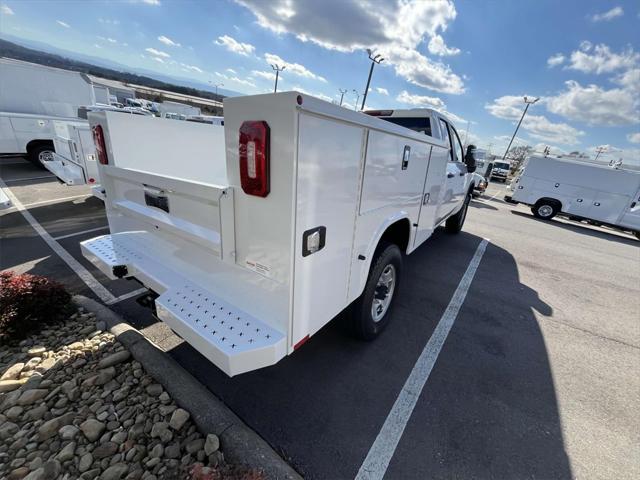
{"x":31,"y":97}
{"x":254,"y":242}
{"x":500,"y":170}
{"x":74,"y":160}
{"x":600,"y":194}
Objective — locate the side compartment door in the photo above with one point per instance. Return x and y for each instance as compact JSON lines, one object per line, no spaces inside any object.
{"x":609,"y":207}
{"x":8,"y":142}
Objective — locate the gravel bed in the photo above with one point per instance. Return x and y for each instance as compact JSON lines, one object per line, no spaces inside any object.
{"x":74,"y":404}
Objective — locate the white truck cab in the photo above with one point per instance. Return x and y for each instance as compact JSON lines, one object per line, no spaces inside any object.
{"x":500,"y":170}
{"x":254,"y":239}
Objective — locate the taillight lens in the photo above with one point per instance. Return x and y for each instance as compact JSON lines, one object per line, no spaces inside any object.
{"x":254,"y":158}
{"x":101,"y":148}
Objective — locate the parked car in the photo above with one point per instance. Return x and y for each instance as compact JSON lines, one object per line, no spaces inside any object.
{"x":252,"y":244}
{"x":584,"y":191}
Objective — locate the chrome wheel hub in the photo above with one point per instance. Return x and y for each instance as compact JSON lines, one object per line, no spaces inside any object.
{"x":383,"y":293}
{"x":45,"y":156}
{"x":545,"y":211}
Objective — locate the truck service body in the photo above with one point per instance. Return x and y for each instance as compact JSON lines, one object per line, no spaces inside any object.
{"x":257,"y":239}
{"x":585,"y":191}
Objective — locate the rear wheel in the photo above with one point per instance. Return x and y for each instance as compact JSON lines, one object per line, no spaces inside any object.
{"x":545,"y":209}
{"x":637,"y":234}
{"x":371,"y":313}
{"x":40,"y":154}
{"x":455,"y":222}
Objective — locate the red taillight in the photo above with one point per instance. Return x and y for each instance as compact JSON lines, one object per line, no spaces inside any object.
{"x":254,"y":158}
{"x":101,"y":148}
{"x":92,"y":180}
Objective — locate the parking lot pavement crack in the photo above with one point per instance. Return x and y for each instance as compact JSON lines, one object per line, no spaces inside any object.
{"x":592,"y":333}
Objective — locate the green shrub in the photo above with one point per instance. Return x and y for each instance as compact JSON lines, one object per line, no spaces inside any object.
{"x":29,"y":301}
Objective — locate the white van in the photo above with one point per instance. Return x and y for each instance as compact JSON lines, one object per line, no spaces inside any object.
{"x":255,"y":238}
{"x":598,"y":193}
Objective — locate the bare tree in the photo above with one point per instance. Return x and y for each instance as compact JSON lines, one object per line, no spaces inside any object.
{"x":517,"y":155}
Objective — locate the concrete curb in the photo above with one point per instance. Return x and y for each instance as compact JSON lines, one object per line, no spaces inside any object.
{"x":239,"y":443}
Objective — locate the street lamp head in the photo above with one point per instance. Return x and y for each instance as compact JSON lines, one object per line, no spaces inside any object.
{"x":531,"y":101}
{"x":369,"y":51}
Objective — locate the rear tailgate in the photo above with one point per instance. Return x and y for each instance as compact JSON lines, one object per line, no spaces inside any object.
{"x":176,"y":235}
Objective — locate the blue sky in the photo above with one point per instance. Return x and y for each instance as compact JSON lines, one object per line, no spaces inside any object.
{"x":472,"y":59}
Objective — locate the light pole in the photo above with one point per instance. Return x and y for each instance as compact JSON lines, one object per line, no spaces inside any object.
{"x":355,"y":107}
{"x":278,"y":69}
{"x":600,"y":150}
{"x":374,"y":59}
{"x":218,"y":85}
{"x":342,"y":92}
{"x":528,"y":101}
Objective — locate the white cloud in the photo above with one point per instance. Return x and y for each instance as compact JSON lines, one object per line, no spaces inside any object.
{"x":510,"y":107}
{"x":438,"y":47}
{"x":158,"y":59}
{"x":157,"y":53}
{"x":148,"y":2}
{"x":241,"y":81}
{"x":555,"y":60}
{"x":609,"y":15}
{"x":234,"y":46}
{"x":634,"y":137}
{"x":112,"y":40}
{"x":266,"y":75}
{"x":6,"y":10}
{"x":321,"y":96}
{"x":167,"y":41}
{"x":63,"y":24}
{"x":193,"y":68}
{"x":630,"y":80}
{"x":394,"y":28}
{"x":293,"y":68}
{"x":420,"y":100}
{"x":231,"y":70}
{"x":600,"y":59}
{"x":594,"y":105}
{"x":109,"y":21}
{"x":382,"y":91}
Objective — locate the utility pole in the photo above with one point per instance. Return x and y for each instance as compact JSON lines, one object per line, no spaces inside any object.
{"x":528,"y":101}
{"x":374,"y":60}
{"x":278,"y":69}
{"x":599,"y":150}
{"x":355,"y":107}
{"x":218,"y":85}
{"x":342,"y":92}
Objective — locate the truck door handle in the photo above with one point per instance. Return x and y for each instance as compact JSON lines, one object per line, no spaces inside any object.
{"x":450,"y":175}
{"x":462,"y":174}
{"x":633,"y":205}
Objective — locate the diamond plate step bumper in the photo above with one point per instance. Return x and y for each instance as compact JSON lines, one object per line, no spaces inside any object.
{"x":233,"y":340}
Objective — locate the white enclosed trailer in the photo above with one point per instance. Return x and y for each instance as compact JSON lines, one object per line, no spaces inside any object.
{"x":581,"y":190}
{"x":254,"y":243}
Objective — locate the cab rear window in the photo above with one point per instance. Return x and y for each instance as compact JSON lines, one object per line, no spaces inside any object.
{"x":417,"y":124}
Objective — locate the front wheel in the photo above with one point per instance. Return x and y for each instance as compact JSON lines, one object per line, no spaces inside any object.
{"x":455,"y":222}
{"x":371,"y":313}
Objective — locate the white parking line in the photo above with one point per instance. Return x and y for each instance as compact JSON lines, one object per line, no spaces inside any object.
{"x":126,"y":296}
{"x":82,"y":232}
{"x":377,"y":461}
{"x":50,"y":202}
{"x":84,"y":274}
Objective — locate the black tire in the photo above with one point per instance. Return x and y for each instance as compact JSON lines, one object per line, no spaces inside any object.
{"x":637,"y":234}
{"x":37,"y":153}
{"x":545,"y":209}
{"x":455,"y":222}
{"x":362,"y":322}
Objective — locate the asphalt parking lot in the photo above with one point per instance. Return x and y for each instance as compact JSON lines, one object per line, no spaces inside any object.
{"x":538,"y":377}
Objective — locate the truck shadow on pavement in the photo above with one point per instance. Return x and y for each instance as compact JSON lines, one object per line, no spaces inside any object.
{"x":584,"y":229}
{"x":488,"y":409}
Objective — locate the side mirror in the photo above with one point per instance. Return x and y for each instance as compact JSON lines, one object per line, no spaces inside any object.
{"x":470,"y":158}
